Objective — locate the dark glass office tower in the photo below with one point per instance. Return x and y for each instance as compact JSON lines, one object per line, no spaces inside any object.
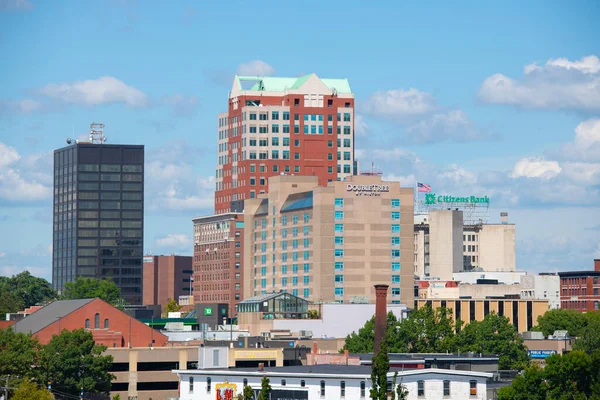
{"x":99,"y":216}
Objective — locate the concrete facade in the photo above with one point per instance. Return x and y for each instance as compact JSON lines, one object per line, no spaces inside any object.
{"x":166,"y":278}
{"x":332,"y":382}
{"x":539,"y":287}
{"x":330,"y":244}
{"x":445,"y":241}
{"x":439,"y":290}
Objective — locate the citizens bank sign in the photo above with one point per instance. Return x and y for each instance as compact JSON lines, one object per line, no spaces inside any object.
{"x":367,"y":190}
{"x":432,"y":198}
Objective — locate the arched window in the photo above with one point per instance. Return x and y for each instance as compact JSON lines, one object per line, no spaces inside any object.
{"x":245,"y":382}
{"x":87,"y":323}
{"x":322,"y":388}
{"x":362,"y":389}
{"x":97,"y":321}
{"x":208,"y":384}
{"x":283,"y":382}
{"x":446,"y":388}
{"x":421,"y":388}
{"x":302,"y":383}
{"x":106,"y":323}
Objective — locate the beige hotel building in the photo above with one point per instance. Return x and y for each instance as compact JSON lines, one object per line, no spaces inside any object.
{"x":330,"y":243}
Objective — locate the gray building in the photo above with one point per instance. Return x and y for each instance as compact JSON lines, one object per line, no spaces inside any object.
{"x":98,"y":214}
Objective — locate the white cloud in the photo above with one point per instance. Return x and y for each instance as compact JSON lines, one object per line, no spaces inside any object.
{"x":583,"y":173}
{"x":405,"y":181}
{"x":392,"y":154}
{"x":28,"y":184}
{"x":255,"y":68}
{"x":361,"y":128}
{"x":174,"y":242}
{"x":2,"y":254}
{"x":399,"y":104}
{"x":17,"y":5}
{"x":25,"y":106}
{"x":444,"y":126}
{"x":536,"y":167}
{"x":586,"y":145}
{"x":182,"y":105}
{"x":457,"y":175}
{"x":104,"y":90}
{"x":559,"y":84}
{"x":8,"y":155}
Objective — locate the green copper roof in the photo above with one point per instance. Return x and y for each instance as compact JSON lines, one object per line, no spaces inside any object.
{"x":280,"y":84}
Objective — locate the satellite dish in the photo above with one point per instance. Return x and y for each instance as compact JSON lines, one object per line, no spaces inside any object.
{"x":68,"y":140}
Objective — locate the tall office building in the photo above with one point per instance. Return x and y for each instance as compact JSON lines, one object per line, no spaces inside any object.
{"x":274,"y":125}
{"x":98,"y":215}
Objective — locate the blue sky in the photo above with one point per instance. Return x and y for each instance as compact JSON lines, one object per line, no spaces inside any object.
{"x":471,"y":97}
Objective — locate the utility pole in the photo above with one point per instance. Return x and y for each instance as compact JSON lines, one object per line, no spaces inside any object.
{"x":6,"y":388}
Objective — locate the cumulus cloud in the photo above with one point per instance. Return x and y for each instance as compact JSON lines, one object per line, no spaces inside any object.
{"x":536,"y":167}
{"x":104,"y":90}
{"x":361,"y":128}
{"x":174,"y":242}
{"x":399,"y":104}
{"x":256,"y":68}
{"x":586,"y":145}
{"x":558,"y":84}
{"x":15,"y":5}
{"x":26,"y":184}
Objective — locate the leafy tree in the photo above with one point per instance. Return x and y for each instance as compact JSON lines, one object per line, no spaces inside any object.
{"x":23,"y":290}
{"x":312,"y":314}
{"x":364,"y":340}
{"x":495,"y":335}
{"x":531,"y":385}
{"x":589,"y":337}
{"x":427,"y":331}
{"x":560,"y":319}
{"x":401,"y":392}
{"x":379,"y":371}
{"x":171,"y":306}
{"x":265,"y":389}
{"x":248,"y":393}
{"x":72,"y":361}
{"x":28,"y":390}
{"x":18,"y":354}
{"x":116,"y":397}
{"x":88,"y":288}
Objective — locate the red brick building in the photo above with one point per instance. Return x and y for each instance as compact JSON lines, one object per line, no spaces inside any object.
{"x":166,"y":277}
{"x":110,"y":326}
{"x":580,"y":290}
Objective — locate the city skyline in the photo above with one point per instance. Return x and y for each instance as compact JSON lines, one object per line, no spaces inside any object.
{"x":511,"y":113}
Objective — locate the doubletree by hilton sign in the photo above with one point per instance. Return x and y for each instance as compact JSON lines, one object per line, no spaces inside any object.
{"x":367,"y":190}
{"x":432,"y":198}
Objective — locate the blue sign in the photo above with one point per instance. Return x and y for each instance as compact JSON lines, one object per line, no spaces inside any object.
{"x":291,"y":344}
{"x":541,"y":353}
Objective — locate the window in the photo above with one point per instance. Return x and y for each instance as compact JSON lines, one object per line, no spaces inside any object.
{"x":339,"y":240}
{"x":395,"y":266}
{"x":245,"y":382}
{"x":97,"y":321}
{"x":283,"y":382}
{"x":339,"y":252}
{"x":339,"y":228}
{"x":339,"y":279}
{"x":275,"y":115}
{"x":473,"y":388}
{"x":322,"y":388}
{"x":302,"y":383}
{"x":87,"y":323}
{"x":339,"y":265}
{"x":347,"y":117}
{"x":395,"y":240}
{"x":395,"y":292}
{"x":286,"y":115}
{"x":395,"y":253}
{"x":446,"y":388}
{"x":395,"y":228}
{"x":421,"y":388}
{"x":339,"y":202}
{"x":106,"y":323}
{"x":191,"y":381}
{"x":339,"y":291}
{"x":395,"y":203}
{"x":362,"y":389}
{"x":208,"y":387}
{"x":395,"y":215}
{"x":343,"y":389}
{"x":339,"y":215}
{"x":306,"y":217}
{"x":395,"y":278}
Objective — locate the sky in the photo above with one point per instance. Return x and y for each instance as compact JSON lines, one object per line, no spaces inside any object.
{"x":473,"y":98}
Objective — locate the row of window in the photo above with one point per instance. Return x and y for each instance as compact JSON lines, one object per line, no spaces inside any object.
{"x":110,"y":168}
{"x":96,"y":322}
{"x":264,"y":116}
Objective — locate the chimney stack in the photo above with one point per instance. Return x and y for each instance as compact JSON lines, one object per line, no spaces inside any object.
{"x":504,"y":217}
{"x":380,"y":315}
{"x":261,"y":367}
{"x":597,"y":265}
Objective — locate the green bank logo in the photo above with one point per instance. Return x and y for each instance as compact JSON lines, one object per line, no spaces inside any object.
{"x":208,"y":311}
{"x":432,"y":198}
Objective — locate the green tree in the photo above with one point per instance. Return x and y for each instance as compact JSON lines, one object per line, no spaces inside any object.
{"x":560,"y":319}
{"x":312,"y":314}
{"x":18,"y":354}
{"x":401,"y":391}
{"x":72,"y":361}
{"x":427,"y":331}
{"x":364,"y":340}
{"x":116,"y":397}
{"x":28,"y":390}
{"x":265,"y":389}
{"x":495,"y":335}
{"x":88,"y":288}
{"x":171,"y":306}
{"x":588,"y":339}
{"x":248,"y":393}
{"x":23,"y":290}
{"x":530,"y":385}
{"x":379,"y":371}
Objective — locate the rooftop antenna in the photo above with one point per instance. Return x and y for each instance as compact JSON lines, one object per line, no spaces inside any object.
{"x":373,"y":171}
{"x":97,"y":133}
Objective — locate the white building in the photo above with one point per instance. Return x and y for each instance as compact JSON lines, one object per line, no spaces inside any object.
{"x":329,"y":382}
{"x":541,"y":287}
{"x":509,"y":278}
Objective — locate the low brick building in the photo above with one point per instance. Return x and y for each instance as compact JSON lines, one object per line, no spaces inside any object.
{"x":580,"y":290}
{"x":109,"y":325}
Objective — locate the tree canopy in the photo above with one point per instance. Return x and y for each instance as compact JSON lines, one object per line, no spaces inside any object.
{"x":171,"y":306}
{"x":89,"y":288}
{"x":70,"y":361}
{"x":265,"y":389}
{"x":561,"y":319}
{"x":23,"y":290}
{"x":29,"y":390}
{"x":575,"y":375}
{"x":433,"y":331}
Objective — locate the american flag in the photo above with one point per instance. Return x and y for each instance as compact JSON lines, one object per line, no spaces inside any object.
{"x":423,"y":187}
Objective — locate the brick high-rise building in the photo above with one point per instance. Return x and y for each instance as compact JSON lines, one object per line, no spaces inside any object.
{"x":274,"y":126}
